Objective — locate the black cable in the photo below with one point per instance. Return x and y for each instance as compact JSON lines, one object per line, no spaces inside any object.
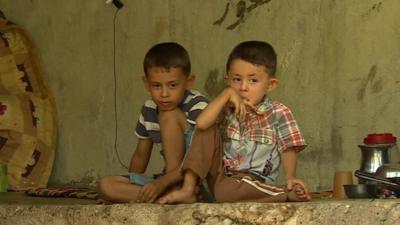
{"x":115,"y":92}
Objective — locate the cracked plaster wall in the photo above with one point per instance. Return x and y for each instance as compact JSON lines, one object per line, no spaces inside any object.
{"x":338,"y":68}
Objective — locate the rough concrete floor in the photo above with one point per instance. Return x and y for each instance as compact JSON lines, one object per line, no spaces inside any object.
{"x":16,"y":209}
{"x":19,"y":198}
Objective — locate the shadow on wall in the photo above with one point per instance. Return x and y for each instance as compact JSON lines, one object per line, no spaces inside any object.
{"x":241,"y":9}
{"x":214,"y":83}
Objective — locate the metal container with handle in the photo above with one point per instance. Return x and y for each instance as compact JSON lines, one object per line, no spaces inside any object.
{"x":377,"y":150}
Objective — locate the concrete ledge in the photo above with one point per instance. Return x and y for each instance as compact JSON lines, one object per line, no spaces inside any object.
{"x":363,"y":212}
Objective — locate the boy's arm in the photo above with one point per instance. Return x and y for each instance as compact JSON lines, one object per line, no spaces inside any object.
{"x":210,"y":114}
{"x":289,"y":161}
{"x":141,"y":157}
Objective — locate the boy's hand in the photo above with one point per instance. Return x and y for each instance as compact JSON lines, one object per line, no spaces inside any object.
{"x":239,"y":104}
{"x":149,"y":193}
{"x":299,"y":187}
{"x":291,"y":182}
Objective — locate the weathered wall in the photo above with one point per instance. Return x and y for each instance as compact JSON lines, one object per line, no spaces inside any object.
{"x":339,"y":65}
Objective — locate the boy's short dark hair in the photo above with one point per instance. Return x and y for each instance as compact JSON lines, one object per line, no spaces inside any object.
{"x":255,"y":52}
{"x":167,"y":55}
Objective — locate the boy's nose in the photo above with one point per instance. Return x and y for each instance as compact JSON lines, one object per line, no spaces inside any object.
{"x":164,"y":92}
{"x":243,"y":86}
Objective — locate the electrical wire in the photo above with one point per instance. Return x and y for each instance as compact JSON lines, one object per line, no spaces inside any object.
{"x":115,"y":92}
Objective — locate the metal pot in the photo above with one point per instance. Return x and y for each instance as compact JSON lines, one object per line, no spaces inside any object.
{"x":372,"y":157}
{"x":378,"y":180}
{"x":361,"y":190}
{"x":378,"y":149}
{"x":389,"y":170}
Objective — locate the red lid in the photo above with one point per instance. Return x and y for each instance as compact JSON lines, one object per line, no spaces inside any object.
{"x":385,"y":138}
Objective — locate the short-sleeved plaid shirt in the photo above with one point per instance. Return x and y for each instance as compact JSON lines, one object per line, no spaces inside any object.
{"x":255,"y":144}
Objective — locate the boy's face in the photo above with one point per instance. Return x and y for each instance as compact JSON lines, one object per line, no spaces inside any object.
{"x":251,"y":81}
{"x":167,"y":86}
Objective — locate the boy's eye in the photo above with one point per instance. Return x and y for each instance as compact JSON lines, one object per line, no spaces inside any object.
{"x":253,"y":81}
{"x":173,"y":85}
{"x":236,"y":79}
{"x":155,"y":85}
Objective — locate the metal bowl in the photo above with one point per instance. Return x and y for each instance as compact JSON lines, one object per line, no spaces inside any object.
{"x":361,"y":190}
{"x":390,"y":170}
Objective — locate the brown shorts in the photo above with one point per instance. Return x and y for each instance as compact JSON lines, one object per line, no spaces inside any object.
{"x":204,"y":158}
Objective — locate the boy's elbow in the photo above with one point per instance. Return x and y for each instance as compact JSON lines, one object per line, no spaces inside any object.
{"x":201,"y":126}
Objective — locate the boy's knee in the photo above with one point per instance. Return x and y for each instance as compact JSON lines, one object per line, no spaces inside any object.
{"x":222,"y":194}
{"x":171,"y":115}
{"x":176,"y":116}
{"x":221,"y":197}
{"x":104,"y":185}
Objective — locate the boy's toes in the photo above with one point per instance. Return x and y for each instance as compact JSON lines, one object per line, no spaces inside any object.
{"x":163,"y":200}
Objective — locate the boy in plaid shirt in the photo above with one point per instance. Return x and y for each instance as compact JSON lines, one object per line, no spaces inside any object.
{"x":242,"y":136}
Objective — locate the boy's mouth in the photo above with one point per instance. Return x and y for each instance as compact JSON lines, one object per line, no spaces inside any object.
{"x":165,"y":104}
{"x":245,"y":98}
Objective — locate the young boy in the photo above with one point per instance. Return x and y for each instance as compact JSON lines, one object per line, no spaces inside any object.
{"x":167,"y":120}
{"x":242,"y":136}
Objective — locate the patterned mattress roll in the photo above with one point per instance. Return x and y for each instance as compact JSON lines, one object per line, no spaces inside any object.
{"x":28,"y":124}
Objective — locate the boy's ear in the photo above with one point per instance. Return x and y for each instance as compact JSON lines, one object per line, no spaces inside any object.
{"x":272,"y":84}
{"x":190,"y":81}
{"x":146,"y":83}
{"x":226,"y":78}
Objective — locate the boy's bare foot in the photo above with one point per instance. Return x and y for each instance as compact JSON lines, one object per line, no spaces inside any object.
{"x":179,"y":196}
{"x":298,"y":194}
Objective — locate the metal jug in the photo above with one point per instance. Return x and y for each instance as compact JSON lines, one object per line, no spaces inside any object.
{"x":378,"y":149}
